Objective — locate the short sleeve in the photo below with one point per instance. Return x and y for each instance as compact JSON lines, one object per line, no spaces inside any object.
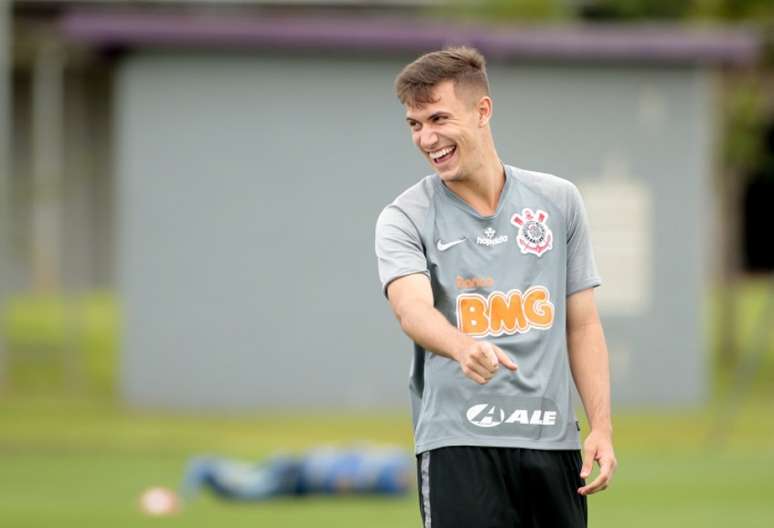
{"x":581,"y":268}
{"x":399,"y":248}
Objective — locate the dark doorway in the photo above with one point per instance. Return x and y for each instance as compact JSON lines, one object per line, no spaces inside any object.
{"x":759,"y":212}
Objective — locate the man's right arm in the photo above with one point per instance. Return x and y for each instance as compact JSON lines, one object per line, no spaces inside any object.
{"x":411,"y":298}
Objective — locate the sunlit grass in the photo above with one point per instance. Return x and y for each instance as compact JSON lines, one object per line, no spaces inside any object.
{"x":76,"y":462}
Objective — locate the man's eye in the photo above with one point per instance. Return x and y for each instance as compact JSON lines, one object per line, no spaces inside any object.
{"x":438,"y":118}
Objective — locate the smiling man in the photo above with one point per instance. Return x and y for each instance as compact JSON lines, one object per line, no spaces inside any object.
{"x":489,"y":271}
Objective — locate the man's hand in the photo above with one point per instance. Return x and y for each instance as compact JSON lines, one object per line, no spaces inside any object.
{"x":480,"y":360}
{"x":598,"y":447}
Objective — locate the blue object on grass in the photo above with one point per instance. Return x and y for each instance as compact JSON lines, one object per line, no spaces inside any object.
{"x":320,"y":471}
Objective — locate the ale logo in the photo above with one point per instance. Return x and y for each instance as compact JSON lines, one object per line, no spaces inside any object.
{"x":485,"y":415}
{"x":511,"y":415}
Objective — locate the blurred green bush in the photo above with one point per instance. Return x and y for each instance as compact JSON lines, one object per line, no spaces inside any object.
{"x":57,"y":343}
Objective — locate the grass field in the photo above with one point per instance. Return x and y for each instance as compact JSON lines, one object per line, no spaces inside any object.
{"x":77,"y":464}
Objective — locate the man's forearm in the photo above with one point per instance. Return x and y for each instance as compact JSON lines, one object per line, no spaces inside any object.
{"x":591,"y":372}
{"x":412,"y":301}
{"x":427,"y":327}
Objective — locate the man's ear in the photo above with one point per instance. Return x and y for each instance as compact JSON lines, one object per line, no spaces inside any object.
{"x":484,"y":110}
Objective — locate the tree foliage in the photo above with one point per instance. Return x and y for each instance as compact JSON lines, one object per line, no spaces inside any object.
{"x":744,"y":107}
{"x":709,"y":10}
{"x":514,"y":10}
{"x":618,"y":10}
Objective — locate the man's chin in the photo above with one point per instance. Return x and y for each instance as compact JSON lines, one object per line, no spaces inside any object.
{"x":450,"y":175}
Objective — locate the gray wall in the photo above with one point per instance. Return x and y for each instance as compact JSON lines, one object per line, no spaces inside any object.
{"x":247,"y":190}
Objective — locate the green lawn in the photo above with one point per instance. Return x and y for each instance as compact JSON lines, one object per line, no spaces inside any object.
{"x":77,"y":464}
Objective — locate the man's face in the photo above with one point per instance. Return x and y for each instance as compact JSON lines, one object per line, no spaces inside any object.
{"x":448,"y":132}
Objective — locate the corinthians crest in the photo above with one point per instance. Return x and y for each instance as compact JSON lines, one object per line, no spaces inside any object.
{"x":534,"y":235}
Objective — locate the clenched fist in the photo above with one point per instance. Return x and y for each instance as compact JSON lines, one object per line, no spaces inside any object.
{"x":480,"y":360}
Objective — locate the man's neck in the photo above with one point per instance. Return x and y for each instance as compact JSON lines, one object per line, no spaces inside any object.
{"x":482,"y":189}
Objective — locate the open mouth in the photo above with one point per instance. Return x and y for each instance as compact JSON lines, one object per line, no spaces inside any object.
{"x":443,"y":155}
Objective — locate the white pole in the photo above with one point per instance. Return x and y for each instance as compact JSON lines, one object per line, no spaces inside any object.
{"x":47,"y":161}
{"x":6,"y":228}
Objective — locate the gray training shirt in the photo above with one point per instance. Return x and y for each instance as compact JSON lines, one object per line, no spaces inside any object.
{"x":502,"y":278}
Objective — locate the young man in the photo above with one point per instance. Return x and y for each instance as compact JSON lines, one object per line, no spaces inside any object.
{"x":489,"y":270}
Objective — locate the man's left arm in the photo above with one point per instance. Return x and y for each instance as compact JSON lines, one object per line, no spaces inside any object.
{"x":590,"y":370}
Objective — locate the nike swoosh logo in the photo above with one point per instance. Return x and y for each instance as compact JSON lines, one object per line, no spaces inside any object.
{"x":444,"y":247}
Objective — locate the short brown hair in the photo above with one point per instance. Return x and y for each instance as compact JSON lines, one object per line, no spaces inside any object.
{"x":463,"y":65}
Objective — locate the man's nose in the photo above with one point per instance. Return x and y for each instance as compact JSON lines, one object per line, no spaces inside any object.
{"x":428,"y":139}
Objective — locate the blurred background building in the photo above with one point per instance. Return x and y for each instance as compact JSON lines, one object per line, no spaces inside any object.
{"x":202,"y":179}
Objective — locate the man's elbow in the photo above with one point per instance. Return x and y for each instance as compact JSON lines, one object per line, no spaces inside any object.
{"x":403,"y":315}
{"x":581,"y":324}
{"x":407,"y":313}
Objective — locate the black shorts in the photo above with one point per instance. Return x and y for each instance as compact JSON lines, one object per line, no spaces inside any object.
{"x":491,"y":487}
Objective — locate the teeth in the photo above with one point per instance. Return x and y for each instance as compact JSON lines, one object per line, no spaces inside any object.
{"x":441,"y":153}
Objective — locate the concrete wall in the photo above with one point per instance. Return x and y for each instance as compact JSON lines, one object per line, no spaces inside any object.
{"x":248,"y":187}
